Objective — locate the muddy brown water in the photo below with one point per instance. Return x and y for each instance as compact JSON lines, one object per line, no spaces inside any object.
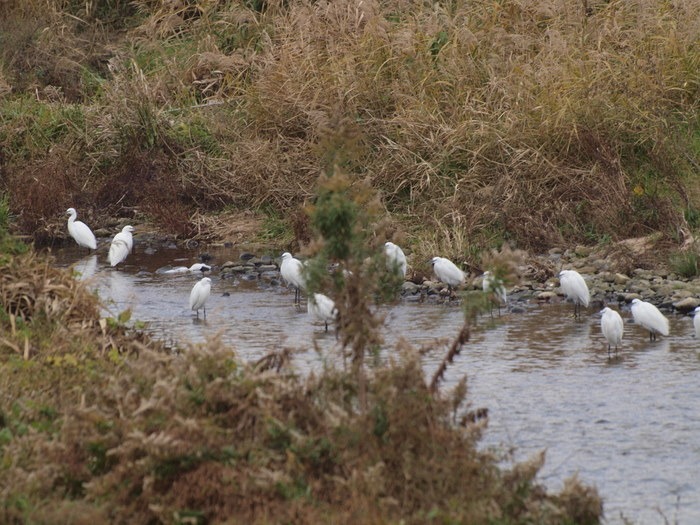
{"x":630,"y":426}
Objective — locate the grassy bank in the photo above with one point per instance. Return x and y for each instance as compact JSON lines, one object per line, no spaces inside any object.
{"x":538,"y":123}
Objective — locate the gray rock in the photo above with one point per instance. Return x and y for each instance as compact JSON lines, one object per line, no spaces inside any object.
{"x":409,"y":288}
{"x":545,"y":296}
{"x":686,"y":305}
{"x":621,"y":279}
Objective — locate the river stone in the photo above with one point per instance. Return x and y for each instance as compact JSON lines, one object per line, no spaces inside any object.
{"x":229,"y":264}
{"x":545,"y":296}
{"x":587,"y":269}
{"x":409,"y":288}
{"x":268,"y":268}
{"x":686,"y":305}
{"x":583,"y":251}
{"x":638,"y":286}
{"x":679,"y":295}
{"x":643,"y":274}
{"x":254,"y":261}
{"x":245,"y":256}
{"x":249,"y":277}
{"x":266,"y":259}
{"x":621,"y":279}
{"x":607,"y":277}
{"x":269,"y":275}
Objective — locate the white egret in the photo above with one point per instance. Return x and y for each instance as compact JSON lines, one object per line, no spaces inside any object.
{"x":196,"y":267}
{"x":696,"y":321}
{"x":395,"y":258}
{"x":80,"y":231}
{"x":322,"y":308}
{"x":199,"y":295}
{"x":447,"y":272}
{"x":648,"y":316}
{"x":494,"y":287}
{"x":121,"y":245}
{"x":575,"y":288}
{"x":292,"y":271}
{"x":612,"y":327}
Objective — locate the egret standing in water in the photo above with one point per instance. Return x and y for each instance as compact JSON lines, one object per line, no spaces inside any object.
{"x":575,"y":288}
{"x":696,"y":321}
{"x":490,"y":285}
{"x":199,"y":295}
{"x":447,"y":272}
{"x":395,"y":259}
{"x":322,"y":307}
{"x":121,"y":245}
{"x":292,"y":271}
{"x":648,"y":316}
{"x":80,"y":231}
{"x":612,"y":327}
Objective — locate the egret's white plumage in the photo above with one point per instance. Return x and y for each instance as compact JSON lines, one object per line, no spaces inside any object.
{"x":199,"y":295}
{"x":648,"y":316}
{"x":196,"y":267}
{"x":491,"y":285}
{"x":612,"y":327}
{"x":696,"y":321}
{"x":447,"y":272}
{"x":395,"y":258}
{"x":322,"y":308}
{"x":80,"y":231}
{"x":121,"y":245}
{"x":292,"y":271}
{"x":575,"y":288}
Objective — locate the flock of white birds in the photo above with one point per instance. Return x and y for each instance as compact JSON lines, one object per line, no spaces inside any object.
{"x":322,"y":307}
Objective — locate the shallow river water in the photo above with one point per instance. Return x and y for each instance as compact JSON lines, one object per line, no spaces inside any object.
{"x":630,"y":426}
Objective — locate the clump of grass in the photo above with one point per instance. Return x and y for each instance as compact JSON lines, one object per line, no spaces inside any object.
{"x":685,"y":263}
{"x":46,"y":313}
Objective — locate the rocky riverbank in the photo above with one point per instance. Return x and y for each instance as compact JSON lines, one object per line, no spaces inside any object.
{"x":608,"y":281}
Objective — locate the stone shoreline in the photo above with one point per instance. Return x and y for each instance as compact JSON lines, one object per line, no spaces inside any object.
{"x":539,"y":282}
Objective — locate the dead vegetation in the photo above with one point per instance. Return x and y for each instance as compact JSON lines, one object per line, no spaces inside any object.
{"x":45,"y":311}
{"x":540,"y":123}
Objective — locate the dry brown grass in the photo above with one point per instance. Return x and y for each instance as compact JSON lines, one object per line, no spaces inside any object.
{"x":542,"y":123}
{"x":45,"y":313}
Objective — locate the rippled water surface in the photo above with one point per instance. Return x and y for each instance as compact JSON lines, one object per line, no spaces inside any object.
{"x":630,"y":426}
